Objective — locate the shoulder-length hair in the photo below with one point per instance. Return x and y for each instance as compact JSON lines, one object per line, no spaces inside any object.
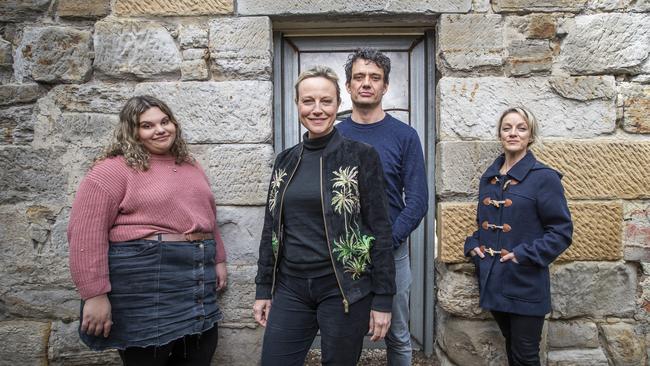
{"x":528,"y":116}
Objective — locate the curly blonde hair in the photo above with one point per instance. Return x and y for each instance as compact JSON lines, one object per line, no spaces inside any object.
{"x":126,"y":142}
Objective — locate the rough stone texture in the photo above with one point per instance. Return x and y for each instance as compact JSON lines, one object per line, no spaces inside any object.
{"x":296,"y":7}
{"x":173,"y":7}
{"x":538,"y":6}
{"x":596,"y":235}
{"x":83,"y":9}
{"x":572,"y":334}
{"x":606,"y":43}
{"x":625,"y":346}
{"x":470,"y":342}
{"x":596,"y":289}
{"x":458,"y":290}
{"x":236,"y":301}
{"x":218,"y":112}
{"x":584,"y":88}
{"x":609,"y":5}
{"x":22,"y":10}
{"x":240,"y":48}
{"x":241,"y":229}
{"x":194,"y":70}
{"x":643,"y":302}
{"x":472,"y":41}
{"x":65,"y":349}
{"x":460,"y":165}
{"x":470,"y":107}
{"x":581,"y":357}
{"x":16,"y":125}
{"x":531,"y":56}
{"x":636,"y":230}
{"x":96,"y":97}
{"x":239,"y":345}
{"x":77,"y":129}
{"x":24,"y":343}
{"x":30,"y":174}
{"x":20,"y":93}
{"x":541,"y":26}
{"x":135,"y":49}
{"x":193,"y":36}
{"x":54,"y":55}
{"x":239,"y":174}
{"x":636,"y":107}
{"x":6,"y":54}
{"x":481,"y":6}
{"x":196,"y":54}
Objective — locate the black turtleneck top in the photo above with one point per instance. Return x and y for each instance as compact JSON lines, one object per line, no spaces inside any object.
{"x":306,"y":254}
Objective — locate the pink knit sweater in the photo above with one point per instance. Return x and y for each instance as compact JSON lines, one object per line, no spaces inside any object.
{"x":117,"y":203}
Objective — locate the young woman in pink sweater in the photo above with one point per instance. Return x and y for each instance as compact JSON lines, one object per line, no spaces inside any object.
{"x":145,"y":251}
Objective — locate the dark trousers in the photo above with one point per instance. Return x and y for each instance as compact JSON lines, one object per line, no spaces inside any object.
{"x":523,"y":334}
{"x":300,"y":307}
{"x":191,"y":350}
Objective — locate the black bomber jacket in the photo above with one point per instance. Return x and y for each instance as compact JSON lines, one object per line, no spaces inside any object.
{"x":357,"y":225}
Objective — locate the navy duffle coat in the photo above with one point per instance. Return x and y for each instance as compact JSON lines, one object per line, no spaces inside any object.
{"x":524,"y":212}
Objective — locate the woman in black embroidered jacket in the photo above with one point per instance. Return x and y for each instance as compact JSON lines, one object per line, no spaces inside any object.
{"x":325,"y":259}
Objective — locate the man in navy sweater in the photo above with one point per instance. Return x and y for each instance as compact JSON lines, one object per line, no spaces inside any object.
{"x":398,"y":144}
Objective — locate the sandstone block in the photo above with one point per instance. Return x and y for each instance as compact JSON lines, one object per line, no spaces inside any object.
{"x":54,"y":55}
{"x":239,"y":345}
{"x":241,"y":229}
{"x":529,"y":57}
{"x":22,"y":10}
{"x":584,"y":88}
{"x":83,"y":9}
{"x":173,"y":7}
{"x":24,"y":342}
{"x":625,"y":345}
{"x":606,"y":43}
{"x":636,"y":230}
{"x":295,"y":7}
{"x":580,"y":357}
{"x":470,"y":342}
{"x":195,"y":54}
{"x":470,"y":108}
{"x":460,"y":165}
{"x":218,"y":112}
{"x":239,"y":174}
{"x":240,"y":48}
{"x":20,"y":93}
{"x":194,"y":70}
{"x":65,"y":348}
{"x":636,"y":107}
{"x":596,"y":235}
{"x":458,"y":290}
{"x":6,"y":54}
{"x":94,"y":97}
{"x":572,"y":334}
{"x":236,"y":301}
{"x":30,"y":174}
{"x":135,"y":49}
{"x":595,"y":289}
{"x":16,"y":125}
{"x":471,"y":42}
{"x":541,"y":26}
{"x":193,"y":36}
{"x":78,"y":129}
{"x":538,"y":6}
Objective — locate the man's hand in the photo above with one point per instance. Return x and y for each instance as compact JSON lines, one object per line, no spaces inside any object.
{"x":379,"y":324}
{"x":97,"y":316}
{"x":222,"y":276}
{"x":261,"y":310}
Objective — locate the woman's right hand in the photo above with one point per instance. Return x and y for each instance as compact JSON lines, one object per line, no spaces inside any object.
{"x":477,"y":251}
{"x":261,"y":310}
{"x":97,"y":316}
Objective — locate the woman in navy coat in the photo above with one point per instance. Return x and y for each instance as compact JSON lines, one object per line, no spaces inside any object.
{"x":523,"y":225}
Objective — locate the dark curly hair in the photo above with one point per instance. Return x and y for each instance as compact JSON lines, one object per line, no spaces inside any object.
{"x":369,"y":54}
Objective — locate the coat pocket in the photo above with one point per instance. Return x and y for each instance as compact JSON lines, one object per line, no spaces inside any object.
{"x":523,"y":283}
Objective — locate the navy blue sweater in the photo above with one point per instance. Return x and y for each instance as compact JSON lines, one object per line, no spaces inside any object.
{"x":401,"y":155}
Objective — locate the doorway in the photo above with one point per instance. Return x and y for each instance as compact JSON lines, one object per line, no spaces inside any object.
{"x":410,"y":98}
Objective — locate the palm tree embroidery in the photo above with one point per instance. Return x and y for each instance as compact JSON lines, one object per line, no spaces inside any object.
{"x":276,"y":182}
{"x":275,"y":244}
{"x":352,"y":250}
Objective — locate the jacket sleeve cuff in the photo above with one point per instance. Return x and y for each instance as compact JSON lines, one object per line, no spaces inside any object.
{"x":470,"y":244}
{"x":262,"y":292}
{"x":383,"y":303}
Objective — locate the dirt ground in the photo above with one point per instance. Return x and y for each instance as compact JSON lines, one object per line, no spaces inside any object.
{"x":374,"y":357}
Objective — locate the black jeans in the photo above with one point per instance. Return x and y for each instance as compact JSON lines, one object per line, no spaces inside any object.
{"x":300,"y":307}
{"x":191,"y":350}
{"x":523,"y":334}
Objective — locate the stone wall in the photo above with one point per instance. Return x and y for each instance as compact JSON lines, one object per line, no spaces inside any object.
{"x":67,"y":66}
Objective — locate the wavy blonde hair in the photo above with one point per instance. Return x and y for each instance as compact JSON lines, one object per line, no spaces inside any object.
{"x":126,"y":142}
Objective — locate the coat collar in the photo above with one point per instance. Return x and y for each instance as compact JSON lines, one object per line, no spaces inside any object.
{"x":518,"y":171}
{"x":333,"y":143}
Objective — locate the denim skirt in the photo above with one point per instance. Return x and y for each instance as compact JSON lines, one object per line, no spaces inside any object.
{"x":160,"y":292}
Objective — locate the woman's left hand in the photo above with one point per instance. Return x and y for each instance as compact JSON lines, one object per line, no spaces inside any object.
{"x":222,"y":276}
{"x":379,"y":324}
{"x":508,"y":257}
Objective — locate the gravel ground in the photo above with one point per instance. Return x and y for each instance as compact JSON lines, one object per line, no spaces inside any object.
{"x":374,"y":357}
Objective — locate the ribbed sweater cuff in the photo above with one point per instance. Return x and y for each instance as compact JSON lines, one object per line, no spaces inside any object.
{"x":383,"y":303}
{"x":263,"y":292}
{"x":91,"y":290}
